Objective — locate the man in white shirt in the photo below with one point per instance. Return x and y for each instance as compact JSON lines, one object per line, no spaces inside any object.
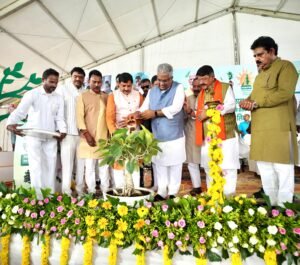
{"x":69,"y":92}
{"x":164,"y":106}
{"x":45,"y":109}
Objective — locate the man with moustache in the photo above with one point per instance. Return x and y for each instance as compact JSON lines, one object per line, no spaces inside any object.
{"x":192,"y":150}
{"x":70,"y":91}
{"x":212,"y":90}
{"x":164,"y":106}
{"x":273,"y":125}
{"x":45,"y":109}
{"x":90,"y":111}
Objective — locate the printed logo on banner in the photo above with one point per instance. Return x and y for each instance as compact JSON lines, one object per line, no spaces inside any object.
{"x":246,"y":80}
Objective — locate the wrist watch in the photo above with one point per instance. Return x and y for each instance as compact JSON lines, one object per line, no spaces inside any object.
{"x":156,"y":113}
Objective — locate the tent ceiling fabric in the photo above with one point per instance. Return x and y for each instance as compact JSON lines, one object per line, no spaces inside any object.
{"x":67,"y":33}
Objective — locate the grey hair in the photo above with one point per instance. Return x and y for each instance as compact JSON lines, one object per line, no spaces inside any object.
{"x":165,"y":68}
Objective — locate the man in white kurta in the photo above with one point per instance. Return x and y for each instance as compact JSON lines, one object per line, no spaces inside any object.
{"x":70,"y":91}
{"x":45,"y":110}
{"x":164,"y":106}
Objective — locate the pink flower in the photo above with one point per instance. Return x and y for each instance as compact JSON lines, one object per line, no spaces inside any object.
{"x":202,"y":240}
{"x":33,"y":202}
{"x":67,"y":231}
{"x":20,"y":211}
{"x":70,"y":213}
{"x":160,"y":243}
{"x":155,"y":233}
{"x":289,"y":212}
{"x":201,"y":251}
{"x":298,"y":245}
{"x":187,"y":237}
{"x":175,"y":224}
{"x":168,"y":223}
{"x":181,"y":223}
{"x":78,"y":232}
{"x":220,"y":107}
{"x":63,"y":221}
{"x":37,"y":226}
{"x":33,"y":215}
{"x":282,"y":230}
{"x":297,"y":230}
{"x":42,"y":213}
{"x":200,"y":224}
{"x":200,"y":208}
{"x":74,"y":200}
{"x":178,"y":243}
{"x":26,"y":200}
{"x":53,"y":228}
{"x":60,"y":209}
{"x":296,"y":254}
{"x":81,"y":203}
{"x":165,"y":207}
{"x":208,"y":139}
{"x":46,"y":200}
{"x":52,"y":214}
{"x":77,"y":221}
{"x":59,"y":198}
{"x":41,"y":232}
{"x":148,"y":239}
{"x":40,"y":203}
{"x":275,"y":212}
{"x":171,"y":235}
{"x":147,"y":222}
{"x":148,"y":205}
{"x":278,"y":252}
{"x":283,"y":246}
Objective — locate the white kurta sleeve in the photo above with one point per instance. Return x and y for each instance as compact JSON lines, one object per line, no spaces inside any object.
{"x":60,"y":116}
{"x":177,"y":104}
{"x":229,"y":102}
{"x":146,"y":103}
{"x":22,"y":110}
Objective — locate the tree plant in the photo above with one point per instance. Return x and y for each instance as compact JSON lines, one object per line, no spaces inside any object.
{"x":129,"y":150}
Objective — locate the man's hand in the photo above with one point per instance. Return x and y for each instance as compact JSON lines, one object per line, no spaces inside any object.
{"x":90,"y":140}
{"x":201,"y":115}
{"x":122,"y":123}
{"x":13,"y":128}
{"x":148,"y":114}
{"x":247,"y":104}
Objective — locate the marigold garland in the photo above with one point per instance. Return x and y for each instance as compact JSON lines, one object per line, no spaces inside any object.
{"x":202,"y":259}
{"x":140,"y":259}
{"x":45,"y":251}
{"x":113,"y":252}
{"x":270,"y":257}
{"x":236,"y":259}
{"x":88,"y":252}
{"x":26,"y":250}
{"x":65,"y":246}
{"x":167,"y":260}
{"x":5,"y":249}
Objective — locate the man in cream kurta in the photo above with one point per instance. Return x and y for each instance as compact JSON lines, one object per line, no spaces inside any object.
{"x":273,"y":126}
{"x":91,"y":106}
{"x":70,"y":91}
{"x":120,"y":104}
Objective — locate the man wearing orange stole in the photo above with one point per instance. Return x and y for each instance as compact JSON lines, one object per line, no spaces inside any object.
{"x":215,"y":92}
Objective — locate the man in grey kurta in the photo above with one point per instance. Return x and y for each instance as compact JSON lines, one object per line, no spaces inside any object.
{"x":273,"y":127}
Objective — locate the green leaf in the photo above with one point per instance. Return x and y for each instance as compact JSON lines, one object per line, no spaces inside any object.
{"x":280,"y":259}
{"x":18,"y":67}
{"x":46,"y":192}
{"x":35,"y":80}
{"x":3,"y":188}
{"x":16,"y":74}
{"x":8,"y":81}
{"x":225,"y":254}
{"x":245,"y":253}
{"x":130,"y":165}
{"x":6,"y":71}
{"x":267,"y":200}
{"x":212,"y":256}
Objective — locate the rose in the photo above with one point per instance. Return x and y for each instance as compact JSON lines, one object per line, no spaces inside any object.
{"x":289,"y":212}
{"x":253,"y":240}
{"x":297,"y":230}
{"x":178,"y":243}
{"x":271,"y":242}
{"x":227,"y":209}
{"x":202,"y":240}
{"x":282,"y":230}
{"x":160,"y":243}
{"x":164,"y":207}
{"x":275,"y":212}
{"x":218,"y":226}
{"x":52,"y":214}
{"x":70,"y":213}
{"x":155,"y":233}
{"x":220,"y":240}
{"x":42,"y":213}
{"x":272,"y":229}
{"x":262,"y":210}
{"x":168,"y":223}
{"x":232,"y":225}
{"x":251,"y":212}
{"x":171,"y":235}
{"x":252,"y":229}
{"x":60,"y":209}
{"x":181,"y":223}
{"x":200,"y":224}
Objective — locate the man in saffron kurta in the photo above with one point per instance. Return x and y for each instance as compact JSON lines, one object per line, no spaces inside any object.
{"x":214,"y":90}
{"x":90,"y":111}
{"x":273,"y":128}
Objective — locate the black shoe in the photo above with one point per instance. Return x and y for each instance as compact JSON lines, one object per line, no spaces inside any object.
{"x":158,"y":198}
{"x":259,"y":193}
{"x":172,"y":197}
{"x":196,"y":191}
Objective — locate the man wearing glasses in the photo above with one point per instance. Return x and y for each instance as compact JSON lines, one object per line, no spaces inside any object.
{"x":164,"y":106}
{"x":273,"y":126}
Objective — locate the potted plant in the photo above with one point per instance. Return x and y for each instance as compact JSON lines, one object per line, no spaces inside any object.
{"x":129,"y":149}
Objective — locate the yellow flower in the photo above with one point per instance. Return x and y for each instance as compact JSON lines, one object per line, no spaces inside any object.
{"x":91,"y":232}
{"x":106,"y":205}
{"x":122,"y":210}
{"x":102,"y":223}
{"x":202,"y":201}
{"x":122,"y":225}
{"x":89,"y":220}
{"x":106,"y":234}
{"x":93,"y":203}
{"x":241,"y":202}
{"x":138,"y":246}
{"x":139,"y":224}
{"x":118,"y":235}
{"x":142,"y":211}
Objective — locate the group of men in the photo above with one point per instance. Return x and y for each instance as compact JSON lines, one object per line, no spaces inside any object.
{"x":179,"y":123}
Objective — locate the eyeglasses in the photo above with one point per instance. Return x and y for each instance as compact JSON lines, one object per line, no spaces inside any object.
{"x":147,"y":86}
{"x":164,"y":81}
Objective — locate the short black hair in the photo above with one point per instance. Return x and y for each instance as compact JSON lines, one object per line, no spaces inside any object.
{"x":78,"y":70}
{"x":125,"y":77}
{"x":95,"y":72}
{"x":265,"y":42}
{"x":205,"y":70}
{"x":117,"y":77}
{"x":145,"y":80}
{"x":153,"y":79}
{"x":49,"y":72}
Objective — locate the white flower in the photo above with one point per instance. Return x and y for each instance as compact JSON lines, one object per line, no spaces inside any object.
{"x":212,"y":210}
{"x":253,"y":240}
{"x":245,"y":245}
{"x":218,"y":226}
{"x":272,"y":229}
{"x":234,"y":250}
{"x":232,"y":225}
{"x":261,"y":249}
{"x":252,"y":229}
{"x":251,"y":250}
{"x":186,"y":196}
{"x":251,"y":211}
{"x":214,"y":244}
{"x":176,"y":200}
{"x":220,"y":240}
{"x":8,"y":196}
{"x":14,"y":195}
{"x":3,"y":216}
{"x":235,"y":239}
{"x":227,"y":209}
{"x":209,"y":234}
{"x":271,"y":242}
{"x":214,"y":250}
{"x":262,"y":210}
{"x":1,"y":194}
{"x":230,"y":245}
{"x":11,"y":222}
{"x":13,"y":217}
{"x":27,"y":213}
{"x":15,"y":209}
